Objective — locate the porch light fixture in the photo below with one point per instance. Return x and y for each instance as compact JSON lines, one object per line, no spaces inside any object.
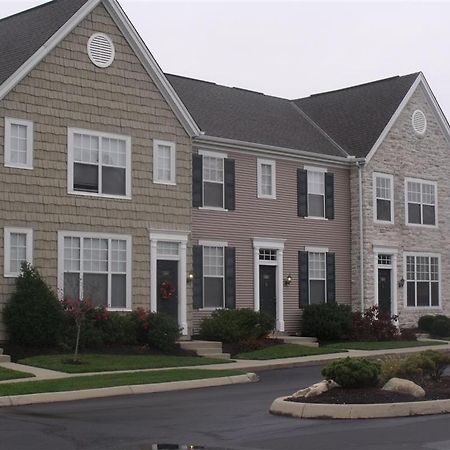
{"x":190,"y":277}
{"x":401,"y":283}
{"x":288,"y":280}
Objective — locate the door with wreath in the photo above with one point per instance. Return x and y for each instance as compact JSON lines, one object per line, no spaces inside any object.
{"x":167,"y":288}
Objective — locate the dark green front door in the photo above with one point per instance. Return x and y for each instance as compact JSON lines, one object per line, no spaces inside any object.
{"x":384,"y":291}
{"x":267,"y":290}
{"x":167,"y":288}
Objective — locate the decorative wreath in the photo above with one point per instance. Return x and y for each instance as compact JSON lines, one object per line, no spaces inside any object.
{"x":166,"y":290}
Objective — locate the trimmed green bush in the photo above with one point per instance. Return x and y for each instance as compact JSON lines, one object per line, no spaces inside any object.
{"x":327,"y":322}
{"x":163,"y":332}
{"x":33,"y":315}
{"x":425,"y":323}
{"x":353,"y":372}
{"x":236,"y":325}
{"x":440,"y":327}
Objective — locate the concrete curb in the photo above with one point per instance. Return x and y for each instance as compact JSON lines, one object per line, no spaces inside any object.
{"x":50,"y":397}
{"x":281,"y":407}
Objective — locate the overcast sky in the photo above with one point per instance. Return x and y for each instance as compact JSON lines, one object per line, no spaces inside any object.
{"x":293,"y":49}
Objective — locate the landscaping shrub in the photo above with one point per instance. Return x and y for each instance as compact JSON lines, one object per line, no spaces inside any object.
{"x":425,"y":323}
{"x":163,"y":332}
{"x":353,"y":372}
{"x":235,"y":325}
{"x":33,"y":315}
{"x":327,"y":322}
{"x":440,"y":327}
{"x":408,"y":334}
{"x":119,"y":329}
{"x":373,"y":325}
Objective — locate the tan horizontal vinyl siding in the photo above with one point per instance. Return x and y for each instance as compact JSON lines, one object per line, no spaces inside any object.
{"x":277,"y":218}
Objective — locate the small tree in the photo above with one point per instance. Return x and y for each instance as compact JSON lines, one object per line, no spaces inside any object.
{"x":77,"y":310}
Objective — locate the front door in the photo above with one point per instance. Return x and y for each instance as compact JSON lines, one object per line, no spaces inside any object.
{"x":167,"y":288}
{"x":267,"y":290}
{"x":384,"y":291}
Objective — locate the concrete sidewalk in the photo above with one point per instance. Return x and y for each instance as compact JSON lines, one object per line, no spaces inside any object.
{"x":246,"y":365}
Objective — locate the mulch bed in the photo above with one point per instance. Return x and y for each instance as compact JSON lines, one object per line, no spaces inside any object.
{"x":249,"y":345}
{"x":339,"y":396}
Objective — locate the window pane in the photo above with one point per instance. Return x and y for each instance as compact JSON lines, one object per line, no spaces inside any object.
{"x":119,"y":291}
{"x":163,"y":162}
{"x":72,"y":286}
{"x":95,"y":255}
{"x":423,"y":294}
{"x":168,"y":248}
{"x":114,"y":152}
{"x":18,"y":251}
{"x":414,"y":214}
{"x":428,"y":195}
{"x":71,"y":254}
{"x":411,"y":293}
{"x":428,"y":215}
{"x":118,"y":256}
{"x":383,"y":188}
{"x":414,"y":192}
{"x":316,"y":205}
{"x":213,"y":292}
{"x":213,"y":194}
{"x":213,"y":261}
{"x":18,"y":144}
{"x":316,"y":292}
{"x":212,"y":169}
{"x":113,"y":181}
{"x":317,"y":266}
{"x":95,"y":288}
{"x":434,"y":294}
{"x":85,"y":178}
{"x":86,"y":148}
{"x":316,"y":183}
{"x":266,"y":179}
{"x":384,"y":210}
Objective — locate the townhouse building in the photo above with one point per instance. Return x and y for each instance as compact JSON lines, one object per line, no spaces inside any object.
{"x":136,"y":188}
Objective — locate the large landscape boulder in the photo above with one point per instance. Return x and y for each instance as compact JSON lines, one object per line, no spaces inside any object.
{"x":404,"y":387}
{"x":315,"y":389}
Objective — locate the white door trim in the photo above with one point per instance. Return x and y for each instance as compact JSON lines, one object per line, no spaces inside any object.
{"x":278,"y":245}
{"x":181,"y":239}
{"x":392,"y":252}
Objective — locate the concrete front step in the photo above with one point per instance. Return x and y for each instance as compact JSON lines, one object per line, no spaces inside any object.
{"x":194,"y":345}
{"x":215,"y":355}
{"x":300,"y":340}
{"x":5,"y":358}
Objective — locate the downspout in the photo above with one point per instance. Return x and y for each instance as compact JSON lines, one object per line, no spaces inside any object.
{"x":360,"y":165}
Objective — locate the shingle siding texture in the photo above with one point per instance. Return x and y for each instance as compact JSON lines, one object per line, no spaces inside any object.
{"x":278,"y":219}
{"x":67,"y":90}
{"x":404,"y":154}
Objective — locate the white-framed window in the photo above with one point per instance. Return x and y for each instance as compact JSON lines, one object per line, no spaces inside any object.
{"x":213,"y":276}
{"x":423,"y":280}
{"x":316,"y":192}
{"x":421,"y":202}
{"x":95,"y":267}
{"x":18,"y":143}
{"x":383,"y":198}
{"x":164,"y":162}
{"x":317,"y":267}
{"x":213,"y":179}
{"x":18,"y":247}
{"x":266,"y":178}
{"x":99,"y":164}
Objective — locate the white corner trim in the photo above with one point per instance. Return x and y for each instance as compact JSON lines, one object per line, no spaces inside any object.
{"x":173,"y":158}
{"x":212,"y":154}
{"x":269,"y":243}
{"x":316,"y":249}
{"x":7,"y":143}
{"x":206,"y":243}
{"x":315,"y":169}
{"x":7,"y":248}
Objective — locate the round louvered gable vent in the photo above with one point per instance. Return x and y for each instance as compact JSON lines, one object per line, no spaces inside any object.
{"x":419,"y":122}
{"x":101,"y":50}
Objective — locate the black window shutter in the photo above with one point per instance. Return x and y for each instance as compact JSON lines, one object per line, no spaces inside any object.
{"x":230,"y":277}
{"x":302,"y":192}
{"x":331,"y":278}
{"x":198,"y":276}
{"x":197,"y":180}
{"x":230,"y":191}
{"x":303,"y":278}
{"x":329,"y":195}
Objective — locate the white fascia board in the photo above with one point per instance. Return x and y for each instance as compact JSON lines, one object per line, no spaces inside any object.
{"x":152,"y":67}
{"x":52,"y":42}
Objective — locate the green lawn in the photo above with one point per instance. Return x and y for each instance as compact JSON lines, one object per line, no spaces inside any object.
{"x":109,"y":380}
{"x":101,"y":362}
{"x":379,"y":345}
{"x":285,"y":351}
{"x":9,"y":374}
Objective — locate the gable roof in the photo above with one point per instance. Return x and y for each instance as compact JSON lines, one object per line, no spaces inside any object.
{"x":355,"y":117}
{"x":26,"y":38}
{"x":249,"y":116}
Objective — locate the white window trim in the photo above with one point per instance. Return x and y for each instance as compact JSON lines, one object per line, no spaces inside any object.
{"x":223,"y":156}
{"x":374,"y":199}
{"x":322,"y":170}
{"x":7,"y":248}
{"x":219,"y":245}
{"x":405,"y":277}
{"x":436,"y":218}
{"x":273,"y":244}
{"x":82,"y":235}
{"x":8,"y":122}
{"x":272,"y":164}
{"x":70,"y":163}
{"x":205,"y":243}
{"x":315,"y":169}
{"x":316,"y":249}
{"x":173,"y":153}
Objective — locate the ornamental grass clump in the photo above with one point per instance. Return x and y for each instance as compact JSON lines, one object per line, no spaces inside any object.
{"x":353,"y":372}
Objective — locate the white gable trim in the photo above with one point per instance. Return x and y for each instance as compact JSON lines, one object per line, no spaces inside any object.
{"x":428,"y":92}
{"x":135,"y":42}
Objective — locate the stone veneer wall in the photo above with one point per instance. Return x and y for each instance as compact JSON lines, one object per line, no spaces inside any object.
{"x":404,"y":154}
